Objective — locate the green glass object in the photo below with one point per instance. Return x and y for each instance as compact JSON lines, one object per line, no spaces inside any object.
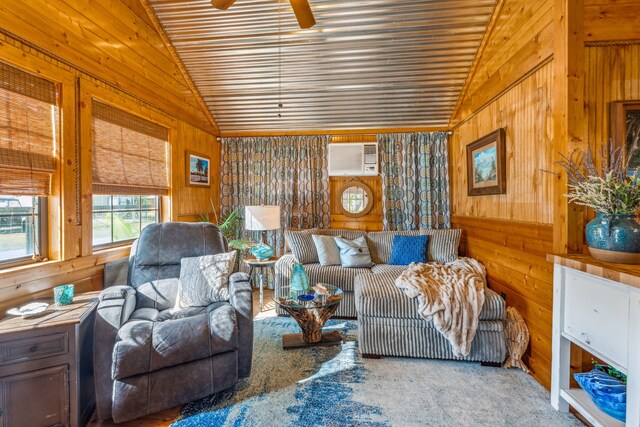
{"x":299,"y":284}
{"x":63,"y":295}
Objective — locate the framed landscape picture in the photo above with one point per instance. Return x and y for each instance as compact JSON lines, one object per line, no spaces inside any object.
{"x":625,"y":131}
{"x":486,"y":165}
{"x":198,"y":170}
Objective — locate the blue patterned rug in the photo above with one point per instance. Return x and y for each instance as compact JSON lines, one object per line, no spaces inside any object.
{"x":334,"y":386}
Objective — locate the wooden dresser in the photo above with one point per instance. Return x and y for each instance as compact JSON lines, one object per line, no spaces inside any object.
{"x":46,"y":366}
{"x":596,"y":306}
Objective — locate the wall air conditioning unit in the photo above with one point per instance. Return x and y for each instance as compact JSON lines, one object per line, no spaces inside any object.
{"x":353,"y":159}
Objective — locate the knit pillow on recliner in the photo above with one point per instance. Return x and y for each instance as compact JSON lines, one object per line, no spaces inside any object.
{"x":204,"y":280}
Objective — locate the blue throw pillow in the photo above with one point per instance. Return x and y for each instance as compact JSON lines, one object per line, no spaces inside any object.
{"x":408,"y":249}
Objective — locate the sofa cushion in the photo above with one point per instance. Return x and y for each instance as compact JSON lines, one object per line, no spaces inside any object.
{"x":354,"y":253}
{"x":328,"y":251}
{"x":334,"y":275}
{"x":347,"y":234}
{"x":397,"y":270}
{"x":378,"y":296}
{"x":301,"y":245}
{"x":443,"y":244}
{"x":144,"y":345}
{"x":408,"y":249}
{"x":380,"y":243}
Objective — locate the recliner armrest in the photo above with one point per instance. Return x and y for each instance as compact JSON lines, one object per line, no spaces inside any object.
{"x":241,"y":299}
{"x":115,"y":305}
{"x":240,"y":293}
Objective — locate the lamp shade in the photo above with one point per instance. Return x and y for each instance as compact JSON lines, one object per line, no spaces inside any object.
{"x":261,"y":218}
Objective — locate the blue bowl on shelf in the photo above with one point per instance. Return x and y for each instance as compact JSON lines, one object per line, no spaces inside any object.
{"x":608,"y":393}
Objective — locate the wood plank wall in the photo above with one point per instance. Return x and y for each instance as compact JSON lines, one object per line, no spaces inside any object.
{"x":612,"y":73}
{"x":611,"y":20}
{"x":114,"y":40}
{"x":512,"y":88}
{"x":373,"y":220}
{"x":102,"y":46}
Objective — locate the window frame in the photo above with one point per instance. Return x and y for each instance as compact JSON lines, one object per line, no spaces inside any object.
{"x":43,"y":238}
{"x":127,"y":242}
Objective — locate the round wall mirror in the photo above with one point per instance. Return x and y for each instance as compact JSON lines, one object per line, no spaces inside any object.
{"x":355,"y":199}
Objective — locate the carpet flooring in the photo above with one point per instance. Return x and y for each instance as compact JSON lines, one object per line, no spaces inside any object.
{"x":334,"y":386}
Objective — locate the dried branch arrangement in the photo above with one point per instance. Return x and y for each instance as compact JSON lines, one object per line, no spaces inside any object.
{"x":609,"y":188}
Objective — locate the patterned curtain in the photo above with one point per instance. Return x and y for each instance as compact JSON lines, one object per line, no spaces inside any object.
{"x":415,"y":180}
{"x":289,"y":171}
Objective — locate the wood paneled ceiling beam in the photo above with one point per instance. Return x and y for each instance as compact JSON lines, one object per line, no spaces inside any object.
{"x":183,"y":70}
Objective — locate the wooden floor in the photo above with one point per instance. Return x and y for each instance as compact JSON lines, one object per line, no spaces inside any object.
{"x":165,"y":418}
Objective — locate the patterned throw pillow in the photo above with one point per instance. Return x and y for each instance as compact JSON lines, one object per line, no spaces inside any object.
{"x":302,"y":246}
{"x":380,"y":244}
{"x":443,"y":244}
{"x":328,"y":252}
{"x":408,"y":249}
{"x":204,"y":280}
{"x":354,"y":253}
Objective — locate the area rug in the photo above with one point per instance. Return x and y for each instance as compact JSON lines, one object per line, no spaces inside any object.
{"x":334,"y":386}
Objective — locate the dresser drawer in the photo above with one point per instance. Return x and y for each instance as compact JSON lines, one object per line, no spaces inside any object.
{"x":32,"y":348}
{"x":596,"y":313}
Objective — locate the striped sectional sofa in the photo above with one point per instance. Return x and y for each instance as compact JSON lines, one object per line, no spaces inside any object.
{"x":388,"y":321}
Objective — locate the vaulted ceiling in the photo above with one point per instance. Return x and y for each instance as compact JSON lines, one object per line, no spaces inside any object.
{"x":366,"y":64}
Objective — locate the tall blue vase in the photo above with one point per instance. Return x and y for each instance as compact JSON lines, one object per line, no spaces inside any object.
{"x":299,"y":284}
{"x":614,"y":238}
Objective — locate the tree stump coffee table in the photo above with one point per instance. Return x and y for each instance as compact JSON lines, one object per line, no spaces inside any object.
{"x":311,"y":311}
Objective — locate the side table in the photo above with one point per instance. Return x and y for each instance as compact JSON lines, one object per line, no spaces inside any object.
{"x":253,"y":264}
{"x":46,"y":366}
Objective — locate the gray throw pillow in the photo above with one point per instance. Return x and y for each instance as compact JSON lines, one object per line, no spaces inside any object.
{"x":301,"y":245}
{"x":354,"y":253}
{"x":443,"y":243}
{"x":328,"y":251}
{"x":204,"y":280}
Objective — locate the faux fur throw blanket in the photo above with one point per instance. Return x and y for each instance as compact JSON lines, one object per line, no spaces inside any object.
{"x":451,"y":295}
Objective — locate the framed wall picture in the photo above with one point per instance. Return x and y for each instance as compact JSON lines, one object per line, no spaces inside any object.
{"x":486,"y":165}
{"x":624,"y":130}
{"x":198,"y":170}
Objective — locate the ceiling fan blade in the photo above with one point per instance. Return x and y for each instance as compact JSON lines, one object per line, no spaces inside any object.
{"x":222,"y":4}
{"x":303,"y":12}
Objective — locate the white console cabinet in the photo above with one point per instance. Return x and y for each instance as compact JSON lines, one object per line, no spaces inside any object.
{"x":596,"y":306}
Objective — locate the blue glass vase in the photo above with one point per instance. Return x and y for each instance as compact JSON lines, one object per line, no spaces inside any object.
{"x":262,"y":251}
{"x":299,"y":284}
{"x":63,"y":295}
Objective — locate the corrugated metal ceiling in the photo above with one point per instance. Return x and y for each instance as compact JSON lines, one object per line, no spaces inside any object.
{"x":366,"y":63}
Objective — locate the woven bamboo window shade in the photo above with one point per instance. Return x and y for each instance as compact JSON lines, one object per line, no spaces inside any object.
{"x":129,"y":153}
{"x":28,"y":132}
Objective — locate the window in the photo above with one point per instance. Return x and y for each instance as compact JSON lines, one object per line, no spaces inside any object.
{"x":29,"y":126}
{"x":22,"y":233}
{"x":118,"y":219}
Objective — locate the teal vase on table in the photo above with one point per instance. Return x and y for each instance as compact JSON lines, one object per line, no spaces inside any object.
{"x":614,"y":238}
{"x":299,"y":284}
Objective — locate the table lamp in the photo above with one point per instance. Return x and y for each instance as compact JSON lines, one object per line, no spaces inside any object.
{"x":262,"y":218}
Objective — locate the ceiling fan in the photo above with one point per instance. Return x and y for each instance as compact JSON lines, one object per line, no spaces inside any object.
{"x":301,"y":8}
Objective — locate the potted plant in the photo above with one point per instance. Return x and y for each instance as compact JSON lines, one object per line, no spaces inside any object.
{"x":613,"y":192}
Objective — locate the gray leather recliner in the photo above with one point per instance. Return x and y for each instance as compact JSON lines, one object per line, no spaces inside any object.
{"x":147,"y":359}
